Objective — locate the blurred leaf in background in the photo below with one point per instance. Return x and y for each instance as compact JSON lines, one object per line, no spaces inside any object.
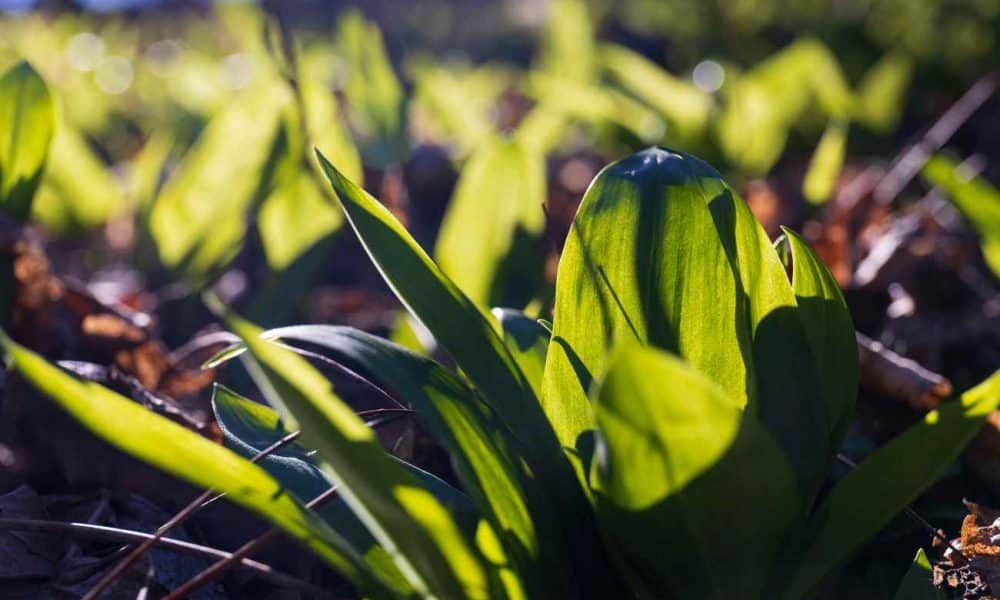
{"x":26,"y":126}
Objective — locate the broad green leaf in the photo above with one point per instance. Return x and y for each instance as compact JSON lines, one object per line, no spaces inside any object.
{"x":879,"y":100}
{"x":752,"y":128}
{"x":869,"y":497}
{"x":419,"y":534}
{"x":918,"y":583}
{"x":27,"y":120}
{"x":976,"y":198}
{"x":146,"y":170}
{"x":826,"y":163}
{"x":830,"y":331}
{"x":486,"y":460}
{"x":663,"y":252}
{"x":185,"y":454}
{"x":528,"y":342}
{"x":294,"y":217}
{"x":199,"y":219}
{"x":693,"y":492}
{"x":542,"y":129}
{"x":78,"y":191}
{"x":685,"y":107}
{"x":375,"y":101}
{"x":493,"y":220}
{"x":469,"y":336}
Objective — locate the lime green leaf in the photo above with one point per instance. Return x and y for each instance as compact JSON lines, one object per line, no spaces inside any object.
{"x":826,"y":163}
{"x":887,"y":481}
{"x":686,"y":483}
{"x":662,"y":251}
{"x":26,"y":124}
{"x":78,"y":191}
{"x":918,"y":583}
{"x":293,"y":218}
{"x":880,"y":97}
{"x":495,"y":212}
{"x":830,"y":330}
{"x":976,"y":198}
{"x":327,"y":131}
{"x":458,"y":102}
{"x":685,"y":107}
{"x":375,"y":101}
{"x":568,"y":42}
{"x":146,"y":170}
{"x":171,"y":447}
{"x":199,"y":219}
{"x":528,"y":342}
{"x":420,"y":535}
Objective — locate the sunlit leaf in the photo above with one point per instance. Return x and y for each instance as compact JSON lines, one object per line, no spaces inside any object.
{"x":879,"y":99}
{"x":419,"y":534}
{"x":528,"y":342}
{"x":684,"y":478}
{"x":867,"y":498}
{"x":568,"y":50}
{"x":493,"y":219}
{"x":294,"y":217}
{"x":685,"y":107}
{"x":830,"y":331}
{"x":663,"y":252}
{"x":375,"y":100}
{"x":918,"y":583}
{"x":169,"y":446}
{"x":26,"y":124}
{"x":826,"y":163}
{"x":976,"y":198}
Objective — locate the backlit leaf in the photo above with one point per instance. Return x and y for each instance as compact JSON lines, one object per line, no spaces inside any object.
{"x":26,"y":124}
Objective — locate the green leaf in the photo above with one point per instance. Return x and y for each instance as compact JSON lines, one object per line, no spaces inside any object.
{"x":830,"y":331}
{"x":494,"y":218}
{"x":469,"y":336}
{"x":327,"y":130}
{"x":918,"y":583}
{"x":528,"y":342}
{"x":199,"y":219}
{"x":456,"y":322}
{"x":976,"y":198}
{"x":249,"y":428}
{"x":568,"y":42}
{"x":685,"y":107}
{"x":458,"y":102}
{"x":169,"y":446}
{"x":78,"y":191}
{"x":26,"y":124}
{"x":692,"y":491}
{"x":486,"y":460}
{"x":420,"y":535}
{"x":887,"y":481}
{"x":880,"y":98}
{"x":375,"y":101}
{"x":663,"y":252}
{"x":294,"y":217}
{"x":826,"y":163}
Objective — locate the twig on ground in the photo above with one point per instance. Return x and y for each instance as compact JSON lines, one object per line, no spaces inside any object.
{"x":890,"y":374}
{"x":103,"y":532}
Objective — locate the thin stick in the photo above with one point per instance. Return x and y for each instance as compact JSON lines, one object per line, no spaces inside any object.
{"x":909,"y":164}
{"x":201,"y":501}
{"x":217,"y":569}
{"x":103,"y":532}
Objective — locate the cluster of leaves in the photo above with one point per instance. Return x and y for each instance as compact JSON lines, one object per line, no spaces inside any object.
{"x":684,"y":406}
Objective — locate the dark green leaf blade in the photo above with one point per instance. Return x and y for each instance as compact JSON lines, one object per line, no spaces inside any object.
{"x":528,"y":342}
{"x":418,"y":532}
{"x":918,"y":583}
{"x":887,"y":481}
{"x":830,"y":330}
{"x":686,"y":482}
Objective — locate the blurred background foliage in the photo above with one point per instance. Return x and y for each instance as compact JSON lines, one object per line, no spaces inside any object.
{"x":185,"y":129}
